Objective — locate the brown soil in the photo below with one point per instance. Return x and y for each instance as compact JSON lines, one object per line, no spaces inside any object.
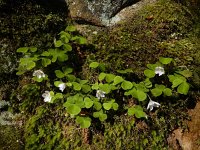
{"x":188,"y":140}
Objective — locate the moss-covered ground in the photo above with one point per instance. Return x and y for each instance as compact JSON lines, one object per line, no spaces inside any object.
{"x":165,"y":28}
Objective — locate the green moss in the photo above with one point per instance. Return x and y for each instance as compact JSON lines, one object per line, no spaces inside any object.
{"x":160,"y":29}
{"x":10,"y":138}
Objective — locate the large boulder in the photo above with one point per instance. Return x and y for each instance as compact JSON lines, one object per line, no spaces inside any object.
{"x":97,"y":11}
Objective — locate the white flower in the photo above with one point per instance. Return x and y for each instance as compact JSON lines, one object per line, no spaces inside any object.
{"x":39,"y":74}
{"x":62,"y":86}
{"x":100,"y":94}
{"x":47,"y":96}
{"x":152,"y":104}
{"x":159,"y":70}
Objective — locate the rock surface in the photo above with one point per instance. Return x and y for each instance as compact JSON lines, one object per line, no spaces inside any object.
{"x":188,"y":140}
{"x":98,"y":12}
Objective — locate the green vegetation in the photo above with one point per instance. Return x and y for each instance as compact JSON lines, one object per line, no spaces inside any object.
{"x":79,"y":93}
{"x":107,"y":92}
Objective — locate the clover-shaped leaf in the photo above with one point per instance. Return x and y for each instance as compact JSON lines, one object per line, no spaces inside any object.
{"x":94,"y":65}
{"x":126,"y":85}
{"x":88,"y":102}
{"x":165,"y":61}
{"x":84,"y":122}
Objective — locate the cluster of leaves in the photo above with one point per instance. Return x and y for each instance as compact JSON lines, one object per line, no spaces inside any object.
{"x":78,"y":94}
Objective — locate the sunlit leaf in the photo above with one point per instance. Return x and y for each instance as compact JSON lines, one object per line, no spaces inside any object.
{"x":165,"y":61}
{"x":84,"y":122}
{"x":102,"y":76}
{"x":94,"y":65}
{"x":183,"y":88}
{"x":149,"y":73}
{"x":70,"y":28}
{"x":167,"y":92}
{"x":59,"y":74}
{"x":107,"y":106}
{"x":110,"y":77}
{"x":73,"y":109}
{"x":46,"y":62}
{"x":126,"y":85}
{"x":88,"y":102}
{"x":156,"y":92}
{"x":22,"y":50}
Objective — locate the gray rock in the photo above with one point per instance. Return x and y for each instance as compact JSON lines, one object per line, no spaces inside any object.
{"x":97,"y":11}
{"x":8,"y":58}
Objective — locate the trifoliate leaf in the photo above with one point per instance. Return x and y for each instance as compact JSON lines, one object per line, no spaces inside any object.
{"x":46,"y":62}
{"x":167,"y":92}
{"x":177,"y":82}
{"x":160,"y":86}
{"x":70,"y":28}
{"x":140,"y":114}
{"x":67,"y":70}
{"x":83,"y":82}
{"x":37,"y":79}
{"x":73,"y":109}
{"x":65,"y":34}
{"x":132,"y":92}
{"x":96,"y":114}
{"x":141,"y":96}
{"x":107,"y":106}
{"x":102,"y":76}
{"x":84,"y":122}
{"x":102,"y":117}
{"x":30,"y":65}
{"x":183,"y":88}
{"x":33,"y":49}
{"x":86,"y":88}
{"x":82,"y":40}
{"x":58,"y":96}
{"x":95,"y":86}
{"x":171,"y":78}
{"x":149,"y":73}
{"x":165,"y":61}
{"x":71,"y":77}
{"x":58,"y":54}
{"x":22,"y":50}
{"x":152,"y":66}
{"x":110,"y":77}
{"x":88,"y":102}
{"x":97,"y":105}
{"x":137,"y":111}
{"x":56,"y":83}
{"x":94,"y":65}
{"x":79,"y":101}
{"x":58,"y":43}
{"x":126,"y":85}
{"x":115,"y":106}
{"x":45,"y":53}
{"x":59,"y":74}
{"x":69,"y":84}
{"x":147,"y":83}
{"x":118,"y":80}
{"x":64,"y":39}
{"x":156,"y":92}
{"x":105,"y":87}
{"x":76,"y":86}
{"x":186,"y":73}
{"x":67,"y":47}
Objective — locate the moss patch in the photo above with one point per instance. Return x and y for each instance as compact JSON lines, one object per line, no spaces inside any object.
{"x":10,"y":138}
{"x":160,"y":29}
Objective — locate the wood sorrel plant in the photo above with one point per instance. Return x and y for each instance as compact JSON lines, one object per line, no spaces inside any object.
{"x":84,"y":100}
